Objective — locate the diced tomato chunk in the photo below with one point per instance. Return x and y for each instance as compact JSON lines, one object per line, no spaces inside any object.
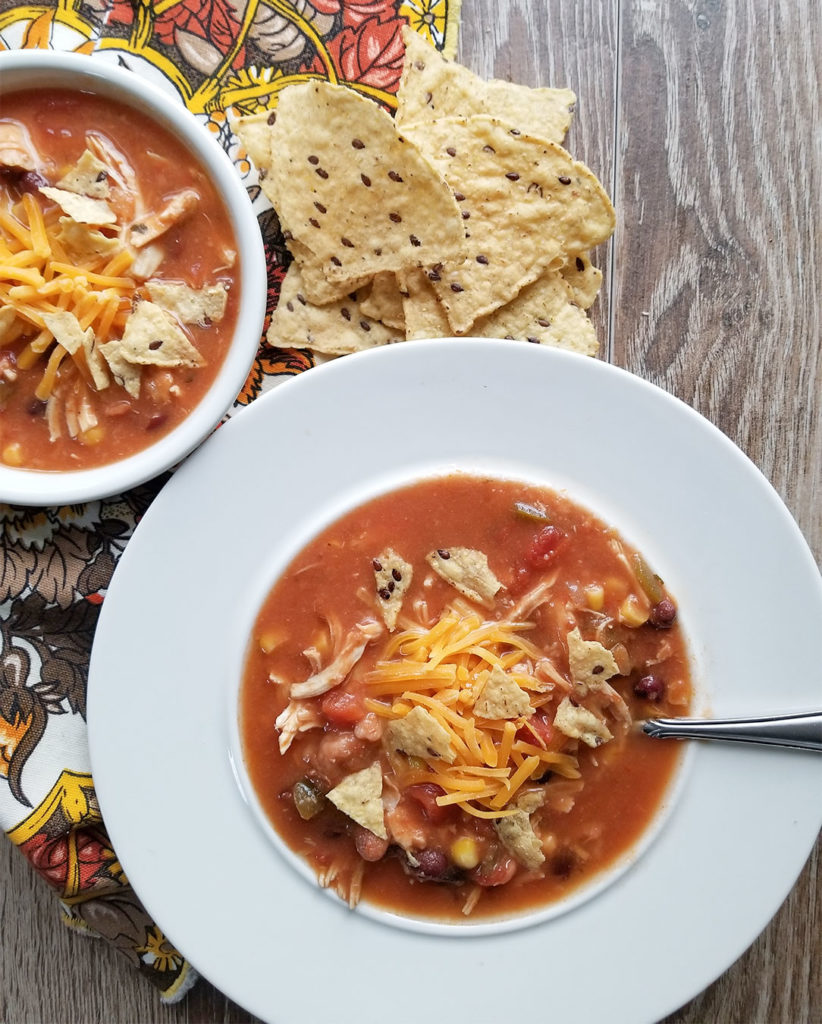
{"x":425,"y":794}
{"x":537,"y":730}
{"x":544,"y":547}
{"x":341,"y":707}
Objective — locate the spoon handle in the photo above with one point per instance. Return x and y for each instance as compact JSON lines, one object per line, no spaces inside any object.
{"x":800,"y":731}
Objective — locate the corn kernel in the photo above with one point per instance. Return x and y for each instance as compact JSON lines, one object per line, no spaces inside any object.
{"x":632,"y":613}
{"x":465,"y":853}
{"x":269,"y":641}
{"x":595,"y":597}
{"x":92,"y":436}
{"x":13,"y":454}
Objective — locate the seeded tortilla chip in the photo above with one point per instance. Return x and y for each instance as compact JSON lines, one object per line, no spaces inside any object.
{"x":152,"y":337}
{"x":526,"y":204}
{"x":126,"y":374}
{"x":254,"y":131}
{"x":190,"y":305}
{"x":467,"y":570}
{"x":88,"y":177}
{"x":392,"y":578}
{"x":518,"y":837}
{"x":419,"y":734}
{"x":360,"y":797}
{"x":67,"y":330}
{"x":581,"y":724}
{"x":352,"y":190}
{"x":384,"y":301}
{"x":543,"y":313}
{"x":501,"y":697}
{"x":423,"y":312}
{"x":316,"y":286}
{"x":591,"y":664}
{"x":83,"y":209}
{"x":584,"y":278}
{"x":433,"y":87}
{"x":337,"y":328}
{"x":86,"y":243}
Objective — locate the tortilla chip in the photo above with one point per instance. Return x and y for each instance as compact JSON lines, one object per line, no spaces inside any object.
{"x":352,"y":190}
{"x":526,"y":205}
{"x":86,"y":243}
{"x":360,"y":797}
{"x":316,"y":287}
{"x":467,"y":570}
{"x":83,"y":209}
{"x":392,"y":577}
{"x":424,"y":314}
{"x":591,"y":664}
{"x":190,"y":305}
{"x":337,"y":328}
{"x":8,"y":318}
{"x":419,"y":734}
{"x":518,"y":836}
{"x":88,"y":177}
{"x":433,"y":87}
{"x":152,"y":337}
{"x":501,"y":697}
{"x":543,"y":313}
{"x":384,"y":301}
{"x":126,"y":374}
{"x":581,"y":724}
{"x":67,"y":330}
{"x":254,"y":132}
{"x":584,"y":278}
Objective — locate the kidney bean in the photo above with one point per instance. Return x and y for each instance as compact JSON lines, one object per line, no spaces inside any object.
{"x":650,"y":687}
{"x":432,"y":863}
{"x":369,"y":846}
{"x":663,"y":614}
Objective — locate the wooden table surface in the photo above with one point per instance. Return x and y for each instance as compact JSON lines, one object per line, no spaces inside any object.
{"x":703,"y":120}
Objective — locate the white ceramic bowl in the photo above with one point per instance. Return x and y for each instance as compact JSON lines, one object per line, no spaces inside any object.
{"x":47,"y":69}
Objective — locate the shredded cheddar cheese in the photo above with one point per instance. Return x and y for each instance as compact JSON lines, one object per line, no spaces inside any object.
{"x":443,"y":670}
{"x":39,"y":276}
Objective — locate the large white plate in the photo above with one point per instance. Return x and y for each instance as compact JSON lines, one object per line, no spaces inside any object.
{"x":175,"y":622}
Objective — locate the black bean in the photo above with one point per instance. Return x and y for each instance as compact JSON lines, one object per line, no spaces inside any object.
{"x":432,"y":863}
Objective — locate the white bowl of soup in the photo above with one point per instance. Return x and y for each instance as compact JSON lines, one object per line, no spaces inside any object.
{"x":132,"y":279}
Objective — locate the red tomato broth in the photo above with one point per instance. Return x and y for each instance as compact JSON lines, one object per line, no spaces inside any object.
{"x":195,"y":253}
{"x":625,"y":782}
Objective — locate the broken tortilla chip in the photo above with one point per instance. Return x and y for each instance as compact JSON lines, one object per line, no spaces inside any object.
{"x":337,"y":328}
{"x":392,"y":578}
{"x":584,"y":278}
{"x":67,"y":330}
{"x":467,"y":570}
{"x":518,"y":837}
{"x":375,"y":203}
{"x":432,"y":87}
{"x":83,"y":209}
{"x":501,"y":697}
{"x":190,"y":305}
{"x":126,"y":374}
{"x":419,"y":734}
{"x":88,"y":177}
{"x":591,"y":664}
{"x":360,"y":797}
{"x":151,"y":337}
{"x":384,"y":301}
{"x":581,"y":724}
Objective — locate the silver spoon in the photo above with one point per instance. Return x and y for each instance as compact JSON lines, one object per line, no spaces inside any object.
{"x":798,"y":731}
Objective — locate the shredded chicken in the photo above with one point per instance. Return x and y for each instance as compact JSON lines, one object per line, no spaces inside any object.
{"x":16,"y":149}
{"x":297,"y":716}
{"x":359,"y":637}
{"x":146,"y":229}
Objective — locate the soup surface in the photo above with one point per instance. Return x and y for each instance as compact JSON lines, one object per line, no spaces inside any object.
{"x":118,"y":281}
{"x":439,"y":692}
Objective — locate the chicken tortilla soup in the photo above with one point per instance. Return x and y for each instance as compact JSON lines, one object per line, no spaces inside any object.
{"x":118,"y":281}
{"x":439,"y":692}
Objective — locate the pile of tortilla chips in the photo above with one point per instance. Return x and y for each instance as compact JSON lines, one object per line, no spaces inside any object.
{"x":460,"y":216}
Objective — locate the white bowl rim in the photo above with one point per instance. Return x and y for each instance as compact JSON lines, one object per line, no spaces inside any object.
{"x":24,"y":69}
